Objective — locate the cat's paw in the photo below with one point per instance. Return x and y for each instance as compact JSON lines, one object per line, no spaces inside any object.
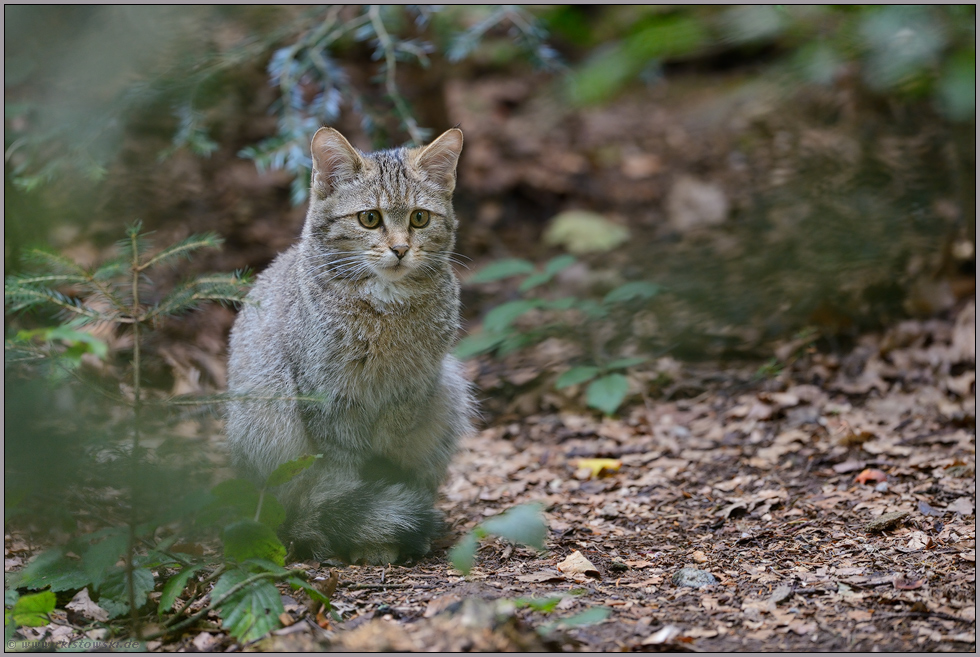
{"x":382,"y":555}
{"x":375,"y":555}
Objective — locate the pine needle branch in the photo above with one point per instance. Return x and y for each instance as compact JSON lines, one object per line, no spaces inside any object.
{"x":183,"y":249}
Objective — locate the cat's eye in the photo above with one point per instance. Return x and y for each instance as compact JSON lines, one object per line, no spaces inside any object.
{"x":420,"y":218}
{"x":369,"y":218}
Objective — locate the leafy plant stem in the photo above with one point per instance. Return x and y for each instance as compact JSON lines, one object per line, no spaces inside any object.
{"x":217,"y":603}
{"x":131,"y":544}
{"x":183,"y":608}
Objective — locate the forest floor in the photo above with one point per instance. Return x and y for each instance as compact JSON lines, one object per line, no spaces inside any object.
{"x":824,"y":504}
{"x":834,"y":517}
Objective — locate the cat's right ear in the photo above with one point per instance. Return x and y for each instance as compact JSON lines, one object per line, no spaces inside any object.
{"x":334,"y":161}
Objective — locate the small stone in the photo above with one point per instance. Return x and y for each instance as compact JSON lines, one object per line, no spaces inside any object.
{"x":886,"y":521}
{"x":693,"y":578}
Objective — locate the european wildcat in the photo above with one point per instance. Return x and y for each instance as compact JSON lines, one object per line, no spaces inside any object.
{"x":360,"y":315}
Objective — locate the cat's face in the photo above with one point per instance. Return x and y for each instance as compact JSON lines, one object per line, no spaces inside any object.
{"x":386,"y":215}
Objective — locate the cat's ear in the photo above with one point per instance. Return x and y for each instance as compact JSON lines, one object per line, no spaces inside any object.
{"x":334,"y":161}
{"x":438,"y":160}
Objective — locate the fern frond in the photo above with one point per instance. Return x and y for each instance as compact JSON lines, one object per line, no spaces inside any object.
{"x":184,"y":248}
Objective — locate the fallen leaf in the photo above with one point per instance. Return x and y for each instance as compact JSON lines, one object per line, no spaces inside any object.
{"x":700,"y":633}
{"x":870,"y":474}
{"x":540,"y":576}
{"x":599,"y":467}
{"x":577,"y":564}
{"x":803,"y":628}
{"x":848,"y":466}
{"x":886,"y":521}
{"x":322,"y":620}
{"x":782,"y":593}
{"x":927,"y":510}
{"x":83,"y":605}
{"x":665,"y":634}
{"x":859,"y":615}
{"x":203,"y":642}
{"x":286,"y":619}
{"x":699,"y":557}
{"x":963,"y":506}
{"x":919,"y":541}
{"x":904,"y":584}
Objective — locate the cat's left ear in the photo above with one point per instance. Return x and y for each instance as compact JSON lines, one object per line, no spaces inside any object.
{"x":438,"y":160}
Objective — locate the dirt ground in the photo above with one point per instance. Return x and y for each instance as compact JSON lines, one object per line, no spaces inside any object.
{"x":827,"y":504}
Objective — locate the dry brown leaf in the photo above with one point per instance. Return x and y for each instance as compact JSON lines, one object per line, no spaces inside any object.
{"x":666,"y":634}
{"x":905,"y":584}
{"x":541,"y":576}
{"x":871,"y":474}
{"x":577,"y":564}
{"x":82,"y":604}
{"x":963,"y":505}
{"x":699,"y":557}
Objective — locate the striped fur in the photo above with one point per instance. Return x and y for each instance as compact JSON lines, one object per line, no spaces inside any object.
{"x":344,"y":351}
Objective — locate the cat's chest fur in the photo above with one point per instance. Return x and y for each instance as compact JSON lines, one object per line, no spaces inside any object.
{"x":373,"y":346}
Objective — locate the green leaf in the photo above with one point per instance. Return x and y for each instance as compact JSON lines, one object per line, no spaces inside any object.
{"x":632,"y":290}
{"x":501,"y":317}
{"x":585,"y":232}
{"x":576,"y":375}
{"x":558,"y":263}
{"x":534,"y":280}
{"x":502,"y":269}
{"x":588,"y":617}
{"x":114,"y":594}
{"x":54,"y":569}
{"x":174,"y":587}
{"x":623,"y":363}
{"x":522,"y":524}
{"x":32,"y":610}
{"x":101,"y":557}
{"x":288,"y":470}
{"x":256,"y":565}
{"x":479,"y":343}
{"x":607,"y":393}
{"x":240,"y":498}
{"x":10,"y":597}
{"x":565,"y":303}
{"x":247,"y":539}
{"x":463,"y":554}
{"x":252,"y":612}
{"x":539,"y":604}
{"x":314,"y":593}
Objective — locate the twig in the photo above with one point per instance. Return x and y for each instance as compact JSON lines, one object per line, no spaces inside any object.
{"x":922,"y":614}
{"x":355,"y":587}
{"x":391,"y":85}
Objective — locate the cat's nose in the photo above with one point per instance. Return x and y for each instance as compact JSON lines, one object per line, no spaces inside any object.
{"x":400,"y":250}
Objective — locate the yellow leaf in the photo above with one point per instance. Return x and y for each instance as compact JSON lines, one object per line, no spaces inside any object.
{"x":599,"y":467}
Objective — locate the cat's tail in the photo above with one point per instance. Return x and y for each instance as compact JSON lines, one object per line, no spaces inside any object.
{"x":375,"y":522}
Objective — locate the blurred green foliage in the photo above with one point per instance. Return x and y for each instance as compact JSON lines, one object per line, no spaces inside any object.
{"x":144,"y":488}
{"x":77,"y":77}
{"x":907,"y":51}
{"x":569,"y":317}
